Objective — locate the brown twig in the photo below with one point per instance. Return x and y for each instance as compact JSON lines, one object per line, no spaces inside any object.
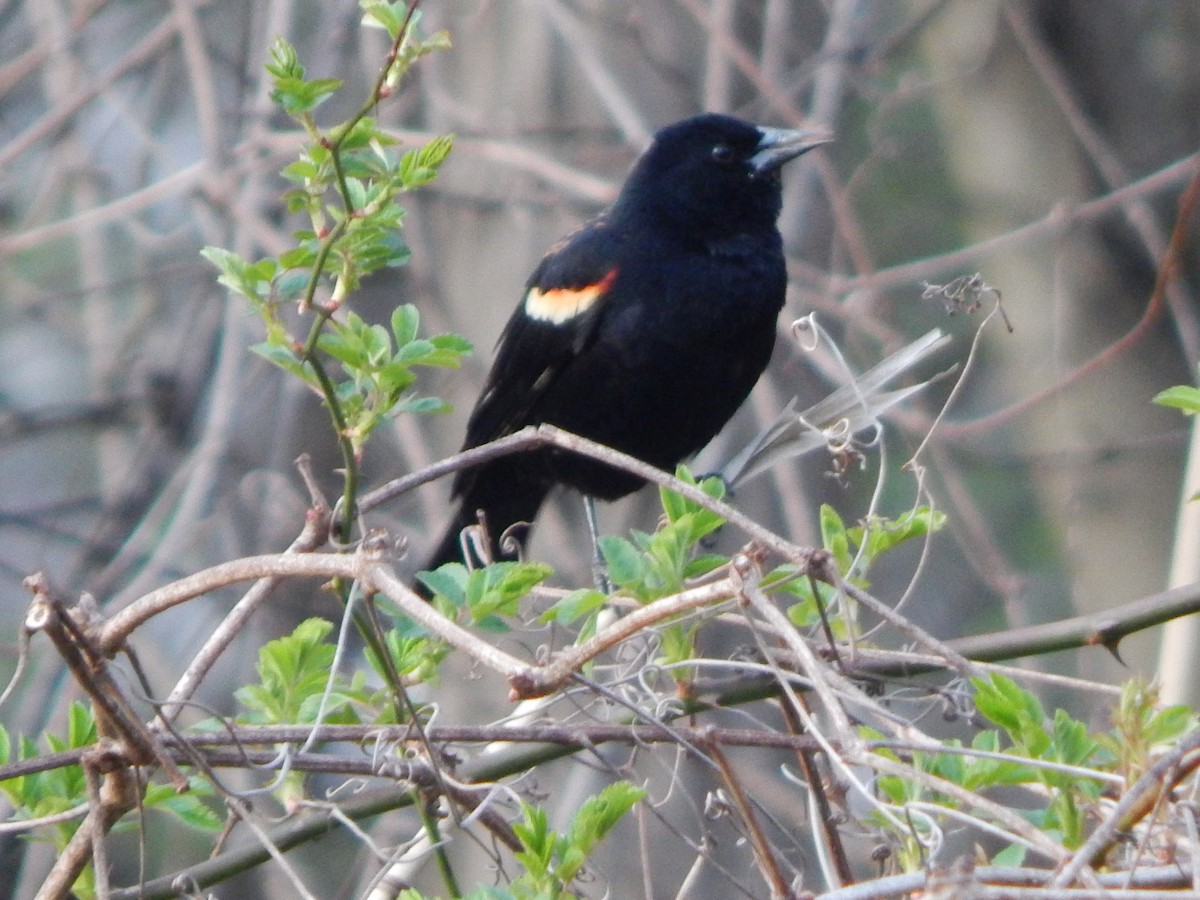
{"x":90,"y":668}
{"x":534,"y":437}
{"x":826,"y":820}
{"x":767,"y":864}
{"x":109,"y":804}
{"x":314,"y":535}
{"x":211,"y":746}
{"x":1102,"y":629}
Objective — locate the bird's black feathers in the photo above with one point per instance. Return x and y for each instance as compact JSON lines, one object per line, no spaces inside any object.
{"x":644,"y":329}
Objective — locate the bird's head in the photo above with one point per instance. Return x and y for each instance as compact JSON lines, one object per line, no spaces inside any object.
{"x":716,"y":171}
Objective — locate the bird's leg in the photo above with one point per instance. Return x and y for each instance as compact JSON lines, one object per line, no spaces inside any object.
{"x":599,"y":570}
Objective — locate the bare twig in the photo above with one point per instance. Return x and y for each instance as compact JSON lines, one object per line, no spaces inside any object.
{"x":762,"y":847}
{"x":111,"y":795}
{"x":116,"y":717}
{"x":316,"y":531}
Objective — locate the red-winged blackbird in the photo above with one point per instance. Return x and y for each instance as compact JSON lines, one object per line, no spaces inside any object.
{"x":644,"y":329}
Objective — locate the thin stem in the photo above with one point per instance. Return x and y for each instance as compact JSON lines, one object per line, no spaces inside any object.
{"x":349,"y":462}
{"x":430,"y":823}
{"x":350,"y":473}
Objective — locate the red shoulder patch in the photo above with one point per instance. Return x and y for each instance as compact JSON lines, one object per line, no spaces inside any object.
{"x":559,"y":305}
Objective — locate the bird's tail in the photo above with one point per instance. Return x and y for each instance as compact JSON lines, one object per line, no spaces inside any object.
{"x":507,"y":491}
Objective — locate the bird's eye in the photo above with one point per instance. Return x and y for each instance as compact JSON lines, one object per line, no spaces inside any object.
{"x":722,"y":153}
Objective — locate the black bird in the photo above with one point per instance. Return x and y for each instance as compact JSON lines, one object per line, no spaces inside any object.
{"x":644,"y":329}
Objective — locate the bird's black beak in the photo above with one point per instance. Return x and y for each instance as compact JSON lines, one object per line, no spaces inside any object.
{"x":778,"y":145}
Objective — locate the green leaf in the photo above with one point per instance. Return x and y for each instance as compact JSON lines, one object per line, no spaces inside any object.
{"x":188,"y":808}
{"x":381,"y":14}
{"x":624,"y":562}
{"x":834,"y":537}
{"x":357,"y":193}
{"x":702,"y":565}
{"x":574,"y":606}
{"x":498,"y":588}
{"x":251,"y":280}
{"x":54,"y":791}
{"x":1182,"y":397}
{"x":414,"y":352}
{"x":405,"y":322}
{"x":421,"y":405}
{"x":227,"y":262}
{"x":675,"y":506}
{"x":448,"y":581}
{"x":1011,"y":856}
{"x":294,"y":676}
{"x":301,"y":257}
{"x":884,"y":535}
{"x":452,"y":343}
{"x":395,"y":378}
{"x":362,"y":134}
{"x":486,"y":892}
{"x":287,"y":360}
{"x":349,"y":345}
{"x":1015,"y":710}
{"x":1070,"y":742}
{"x":678,"y":645}
{"x":283,"y":62}
{"x":595,"y":819}
{"x":414,"y":653}
{"x":297,"y":98}
{"x":419,"y":167}
{"x":1169,"y":725}
{"x":301,"y":171}
{"x":987,"y":772}
{"x":433,"y":154}
{"x":290,"y":286}
{"x":537,"y":840}
{"x":81,"y":726}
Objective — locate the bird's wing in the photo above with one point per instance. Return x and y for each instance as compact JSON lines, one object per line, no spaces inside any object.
{"x":556,"y":321}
